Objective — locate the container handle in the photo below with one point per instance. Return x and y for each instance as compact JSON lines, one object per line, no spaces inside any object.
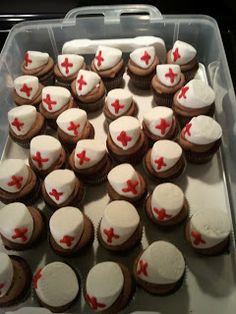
{"x":112,"y":13}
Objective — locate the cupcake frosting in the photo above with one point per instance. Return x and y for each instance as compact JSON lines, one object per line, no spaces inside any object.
{"x":22,"y":118}
{"x":168,"y":74}
{"x":158,"y":120}
{"x":72,"y":121}
{"x":35,"y":59}
{"x":143,"y":57}
{"x":86,"y":81}
{"x":54,"y":98}
{"x":182,"y":52}
{"x":69,"y":64}
{"x":26,"y":86}
{"x":119,"y":101}
{"x":6,"y":274}
{"x":106,"y":57}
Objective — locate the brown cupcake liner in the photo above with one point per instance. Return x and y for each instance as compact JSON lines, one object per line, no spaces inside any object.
{"x":141,"y":82}
{"x":63,"y":84}
{"x":47,"y":80}
{"x":190,"y":74}
{"x":112,"y":83}
{"x":91,"y":107}
{"x":165,"y":100}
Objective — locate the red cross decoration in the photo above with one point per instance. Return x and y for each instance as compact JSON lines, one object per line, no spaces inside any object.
{"x":74,"y":127}
{"x":142,"y":268}
{"x":16,"y":181}
{"x":17,"y":124}
{"x":146,"y":57}
{"x":38,"y":158}
{"x":171,"y":75}
{"x":110,"y":234}
{"x":117,"y":106}
{"x":99,"y":58}
{"x":187,"y":129}
{"x":67,"y":65}
{"x":82,"y":157}
{"x":197,"y":238}
{"x":161,"y":214}
{"x":183,"y":92}
{"x":37,"y":276}
{"x":95,"y":305}
{"x":27,"y":59}
{"x":124,"y":138}
{"x":176,"y":54}
{"x":56,"y":194}
{"x":26,"y":89}
{"x":131,"y":187}
{"x":1,"y":286}
{"x":81,"y":82}
{"x":160,"y":163}
{"x":20,"y":233}
{"x":67,"y":240}
{"x":49,"y":102}
{"x":163,"y":125}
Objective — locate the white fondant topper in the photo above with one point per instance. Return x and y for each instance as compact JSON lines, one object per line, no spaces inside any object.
{"x":26,"y":86}
{"x":69,"y":64}
{"x":182,"y":52}
{"x":55,"y":97}
{"x":106,"y":57}
{"x":119,"y":222}
{"x":35,"y":59}
{"x":16,"y":223}
{"x":44,"y":151}
{"x":22,"y":118}
{"x":119,"y":101}
{"x":86,"y":81}
{"x":168,"y":74}
{"x":72,"y":121}
{"x":161,"y":263}
{"x":6,"y":274}
{"x":158,"y":120}
{"x":14,"y":175}
{"x":143,"y":57}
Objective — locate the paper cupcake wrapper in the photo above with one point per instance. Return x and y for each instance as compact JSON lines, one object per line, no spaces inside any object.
{"x":63,"y":84}
{"x":91,"y":107}
{"x":116,"y":82}
{"x":165,"y":100}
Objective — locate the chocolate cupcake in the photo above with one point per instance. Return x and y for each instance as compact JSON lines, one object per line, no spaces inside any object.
{"x":27,"y":91}
{"x":24,"y":124}
{"x":46,"y":155}
{"x":160,"y":123}
{"x":108,"y":296}
{"x":20,"y":226}
{"x":39,"y":64}
{"x":200,"y":139}
{"x":160,"y":268}
{"x":184,"y":55}
{"x":120,"y":228}
{"x":90,"y":161}
{"x":15,"y":279}
{"x":55,"y":100}
{"x":18,"y":182}
{"x":56,"y":286}
{"x":62,"y":188}
{"x":88,"y":91}
{"x":125,"y":183}
{"x":167,"y":81}
{"x":109,"y":65}
{"x":164,"y":161}
{"x":73,"y":126}
{"x":119,"y":102}
{"x":142,"y":66}
{"x":208,"y":232}
{"x":71,"y":231}
{"x":126,"y":141}
{"x":167,"y":206}
{"x":67,"y":68}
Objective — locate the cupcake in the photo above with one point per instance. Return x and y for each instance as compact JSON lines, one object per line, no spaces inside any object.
{"x":167,"y":81}
{"x":208,"y":232}
{"x":88,"y":91}
{"x":55,"y":100}
{"x":90,"y":161}
{"x":73,"y":126}
{"x":62,"y":188}
{"x":18,"y":182}
{"x":160,"y":123}
{"x":160,"y":268}
{"x":39,"y":64}
{"x":46,"y":155}
{"x":67,"y":68}
{"x":184,"y":55}
{"x":56,"y":286}
{"x":27,"y":91}
{"x":126,"y":141}
{"x":125,"y":183}
{"x":119,"y":102}
{"x":108,"y":296}
{"x":164,"y":161}
{"x":109,"y":65}
{"x":166,"y":205}
{"x":70,"y":231}
{"x":15,"y":279}
{"x":24,"y":124}
{"x":20,"y":226}
{"x":194,"y":99}
{"x":120,"y":228}
{"x":141,"y":66}
{"x":200,"y":139}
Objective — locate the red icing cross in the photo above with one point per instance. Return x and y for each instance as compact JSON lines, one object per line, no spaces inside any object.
{"x":117,"y":106}
{"x":16,"y":181}
{"x":81,"y":82}
{"x":56,"y":194}
{"x":142,"y":268}
{"x":67,"y":65}
{"x":94,"y":304}
{"x":20,"y":233}
{"x":26,"y":89}
{"x":146,"y":57}
{"x":67,"y":240}
{"x":27,"y":59}
{"x":82,"y":157}
{"x":161,"y":214}
{"x":37,"y":276}
{"x":187,"y":129}
{"x":17,"y":123}
{"x":1,"y":286}
{"x":183,"y":92}
{"x":124,"y":138}
{"x":176,"y":54}
{"x":197,"y":238}
{"x":160,"y":163}
{"x":99,"y":58}
{"x":49,"y":102}
{"x":131,"y":187}
{"x":163,"y":125}
{"x":171,"y":75}
{"x":73,"y":127}
{"x":110,"y":234}
{"x":38,"y":158}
